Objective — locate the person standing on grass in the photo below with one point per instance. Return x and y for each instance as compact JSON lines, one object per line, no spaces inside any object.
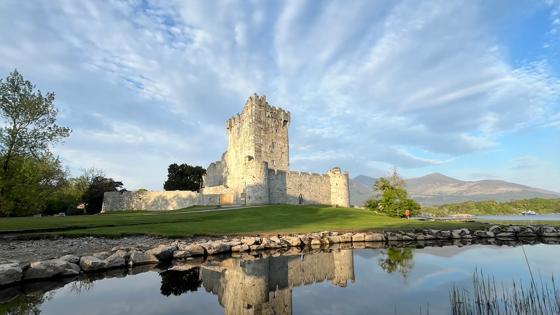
{"x":407,"y":214}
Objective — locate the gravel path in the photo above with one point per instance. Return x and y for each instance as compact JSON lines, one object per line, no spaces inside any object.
{"x":40,"y":249}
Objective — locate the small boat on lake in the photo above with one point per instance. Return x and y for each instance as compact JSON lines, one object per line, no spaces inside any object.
{"x":528,"y":212}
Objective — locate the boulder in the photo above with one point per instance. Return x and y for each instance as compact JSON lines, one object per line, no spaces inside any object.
{"x":117,"y":260}
{"x":294,"y":241}
{"x":162,"y":252}
{"x":70,"y":258}
{"x":505,"y":235}
{"x":408,"y":237}
{"x":483,"y":234}
{"x":101,"y":255}
{"x":443,"y":235}
{"x":346,"y":238}
{"x":213,"y":248}
{"x":390,"y":236}
{"x":334,"y":239}
{"x":50,"y":268}
{"x":190,"y":251}
{"x":358,"y":237}
{"x":251,"y":241}
{"x":374,"y":237}
{"x":92,"y":263}
{"x":281,"y":241}
{"x":550,"y":234}
{"x":140,"y":258}
{"x":10,"y":273}
{"x":495,"y":229}
{"x":240,"y":248}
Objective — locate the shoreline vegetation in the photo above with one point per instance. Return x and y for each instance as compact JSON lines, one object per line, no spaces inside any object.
{"x":491,"y":207}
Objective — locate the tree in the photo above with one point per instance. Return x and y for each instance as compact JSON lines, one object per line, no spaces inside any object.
{"x":93,"y":197}
{"x":391,"y":196}
{"x":184,"y":177}
{"x":29,"y":129}
{"x":71,"y":193}
{"x":29,"y":183}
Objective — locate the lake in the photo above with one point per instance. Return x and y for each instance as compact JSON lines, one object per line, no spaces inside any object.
{"x":338,"y":281}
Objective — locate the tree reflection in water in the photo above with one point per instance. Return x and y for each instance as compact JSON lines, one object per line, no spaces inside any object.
{"x":177,"y":282}
{"x":398,"y":260}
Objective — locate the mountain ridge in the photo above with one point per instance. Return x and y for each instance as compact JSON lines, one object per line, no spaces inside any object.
{"x":437,"y":188}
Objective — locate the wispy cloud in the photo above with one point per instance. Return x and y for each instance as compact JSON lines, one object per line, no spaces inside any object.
{"x":367,"y":82}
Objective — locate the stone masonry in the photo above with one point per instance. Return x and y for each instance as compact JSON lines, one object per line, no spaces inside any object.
{"x":254,"y":170}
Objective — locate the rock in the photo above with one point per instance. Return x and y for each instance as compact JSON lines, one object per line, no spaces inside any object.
{"x":408,"y":238}
{"x":346,"y":238}
{"x":334,"y":239}
{"x":550,"y":234}
{"x":358,"y":237}
{"x":420,"y":237}
{"x":374,"y":237}
{"x":443,"y":235}
{"x":117,"y":260}
{"x":256,"y":247}
{"x":191,"y":251}
{"x":251,"y":241}
{"x":495,"y":229}
{"x":391,"y":236}
{"x":213,"y":248}
{"x":92,"y":263}
{"x":505,"y":235}
{"x":527,"y":233}
{"x":294,"y":241}
{"x":10,"y":273}
{"x":162,"y":252}
{"x":101,"y":255}
{"x":240,"y":248}
{"x":50,"y":268}
{"x":70,"y":258}
{"x":140,"y":258}
{"x":483,"y":234}
{"x":282,"y":242}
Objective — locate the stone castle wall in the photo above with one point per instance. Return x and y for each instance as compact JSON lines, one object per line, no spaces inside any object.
{"x":287,"y":187}
{"x":156,"y":200}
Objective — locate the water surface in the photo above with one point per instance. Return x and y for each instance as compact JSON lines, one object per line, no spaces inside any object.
{"x":341,"y":281}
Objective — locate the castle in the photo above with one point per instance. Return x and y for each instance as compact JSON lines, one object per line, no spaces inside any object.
{"x":254,"y":170}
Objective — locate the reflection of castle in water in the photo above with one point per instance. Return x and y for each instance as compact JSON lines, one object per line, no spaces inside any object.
{"x":263,"y":286}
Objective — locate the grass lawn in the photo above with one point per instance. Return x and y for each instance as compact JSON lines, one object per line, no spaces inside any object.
{"x":264,"y":220}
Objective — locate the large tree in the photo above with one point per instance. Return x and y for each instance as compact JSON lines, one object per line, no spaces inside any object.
{"x":28,"y":130}
{"x":184,"y":177}
{"x":391,"y":196}
{"x":93,"y":196}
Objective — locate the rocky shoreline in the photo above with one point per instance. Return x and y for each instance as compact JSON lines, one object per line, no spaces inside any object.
{"x":138,"y":251}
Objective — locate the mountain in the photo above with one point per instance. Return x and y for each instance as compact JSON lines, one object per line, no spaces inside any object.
{"x":436,"y":188}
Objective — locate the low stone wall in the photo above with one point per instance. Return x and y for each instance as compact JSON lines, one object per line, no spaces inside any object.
{"x":155,"y":200}
{"x":120,"y":257}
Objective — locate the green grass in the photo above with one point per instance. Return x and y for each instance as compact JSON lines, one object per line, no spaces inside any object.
{"x":264,"y":220}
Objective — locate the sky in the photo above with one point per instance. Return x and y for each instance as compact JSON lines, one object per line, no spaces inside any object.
{"x":470,"y":89}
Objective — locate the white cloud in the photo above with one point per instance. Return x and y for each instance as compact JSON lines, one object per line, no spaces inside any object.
{"x":367,"y":82}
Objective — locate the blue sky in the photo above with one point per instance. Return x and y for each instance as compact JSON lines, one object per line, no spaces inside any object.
{"x":470,"y":89}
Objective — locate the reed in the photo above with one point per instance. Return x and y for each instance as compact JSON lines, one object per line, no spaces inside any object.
{"x":487,"y":298}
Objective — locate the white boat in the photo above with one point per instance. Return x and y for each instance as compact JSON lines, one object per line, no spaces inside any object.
{"x":528,"y":212}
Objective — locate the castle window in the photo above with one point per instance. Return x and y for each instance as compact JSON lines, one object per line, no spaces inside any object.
{"x":273,"y":163}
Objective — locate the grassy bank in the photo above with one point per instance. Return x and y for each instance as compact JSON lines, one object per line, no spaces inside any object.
{"x":265,"y":219}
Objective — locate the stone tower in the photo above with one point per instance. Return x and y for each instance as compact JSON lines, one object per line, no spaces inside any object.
{"x":257,"y":140}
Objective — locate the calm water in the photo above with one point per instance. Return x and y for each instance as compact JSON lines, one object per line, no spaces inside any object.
{"x":344,"y":281}
{"x":528,"y":218}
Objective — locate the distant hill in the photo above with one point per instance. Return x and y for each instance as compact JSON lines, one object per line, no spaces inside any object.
{"x":436,"y":189}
